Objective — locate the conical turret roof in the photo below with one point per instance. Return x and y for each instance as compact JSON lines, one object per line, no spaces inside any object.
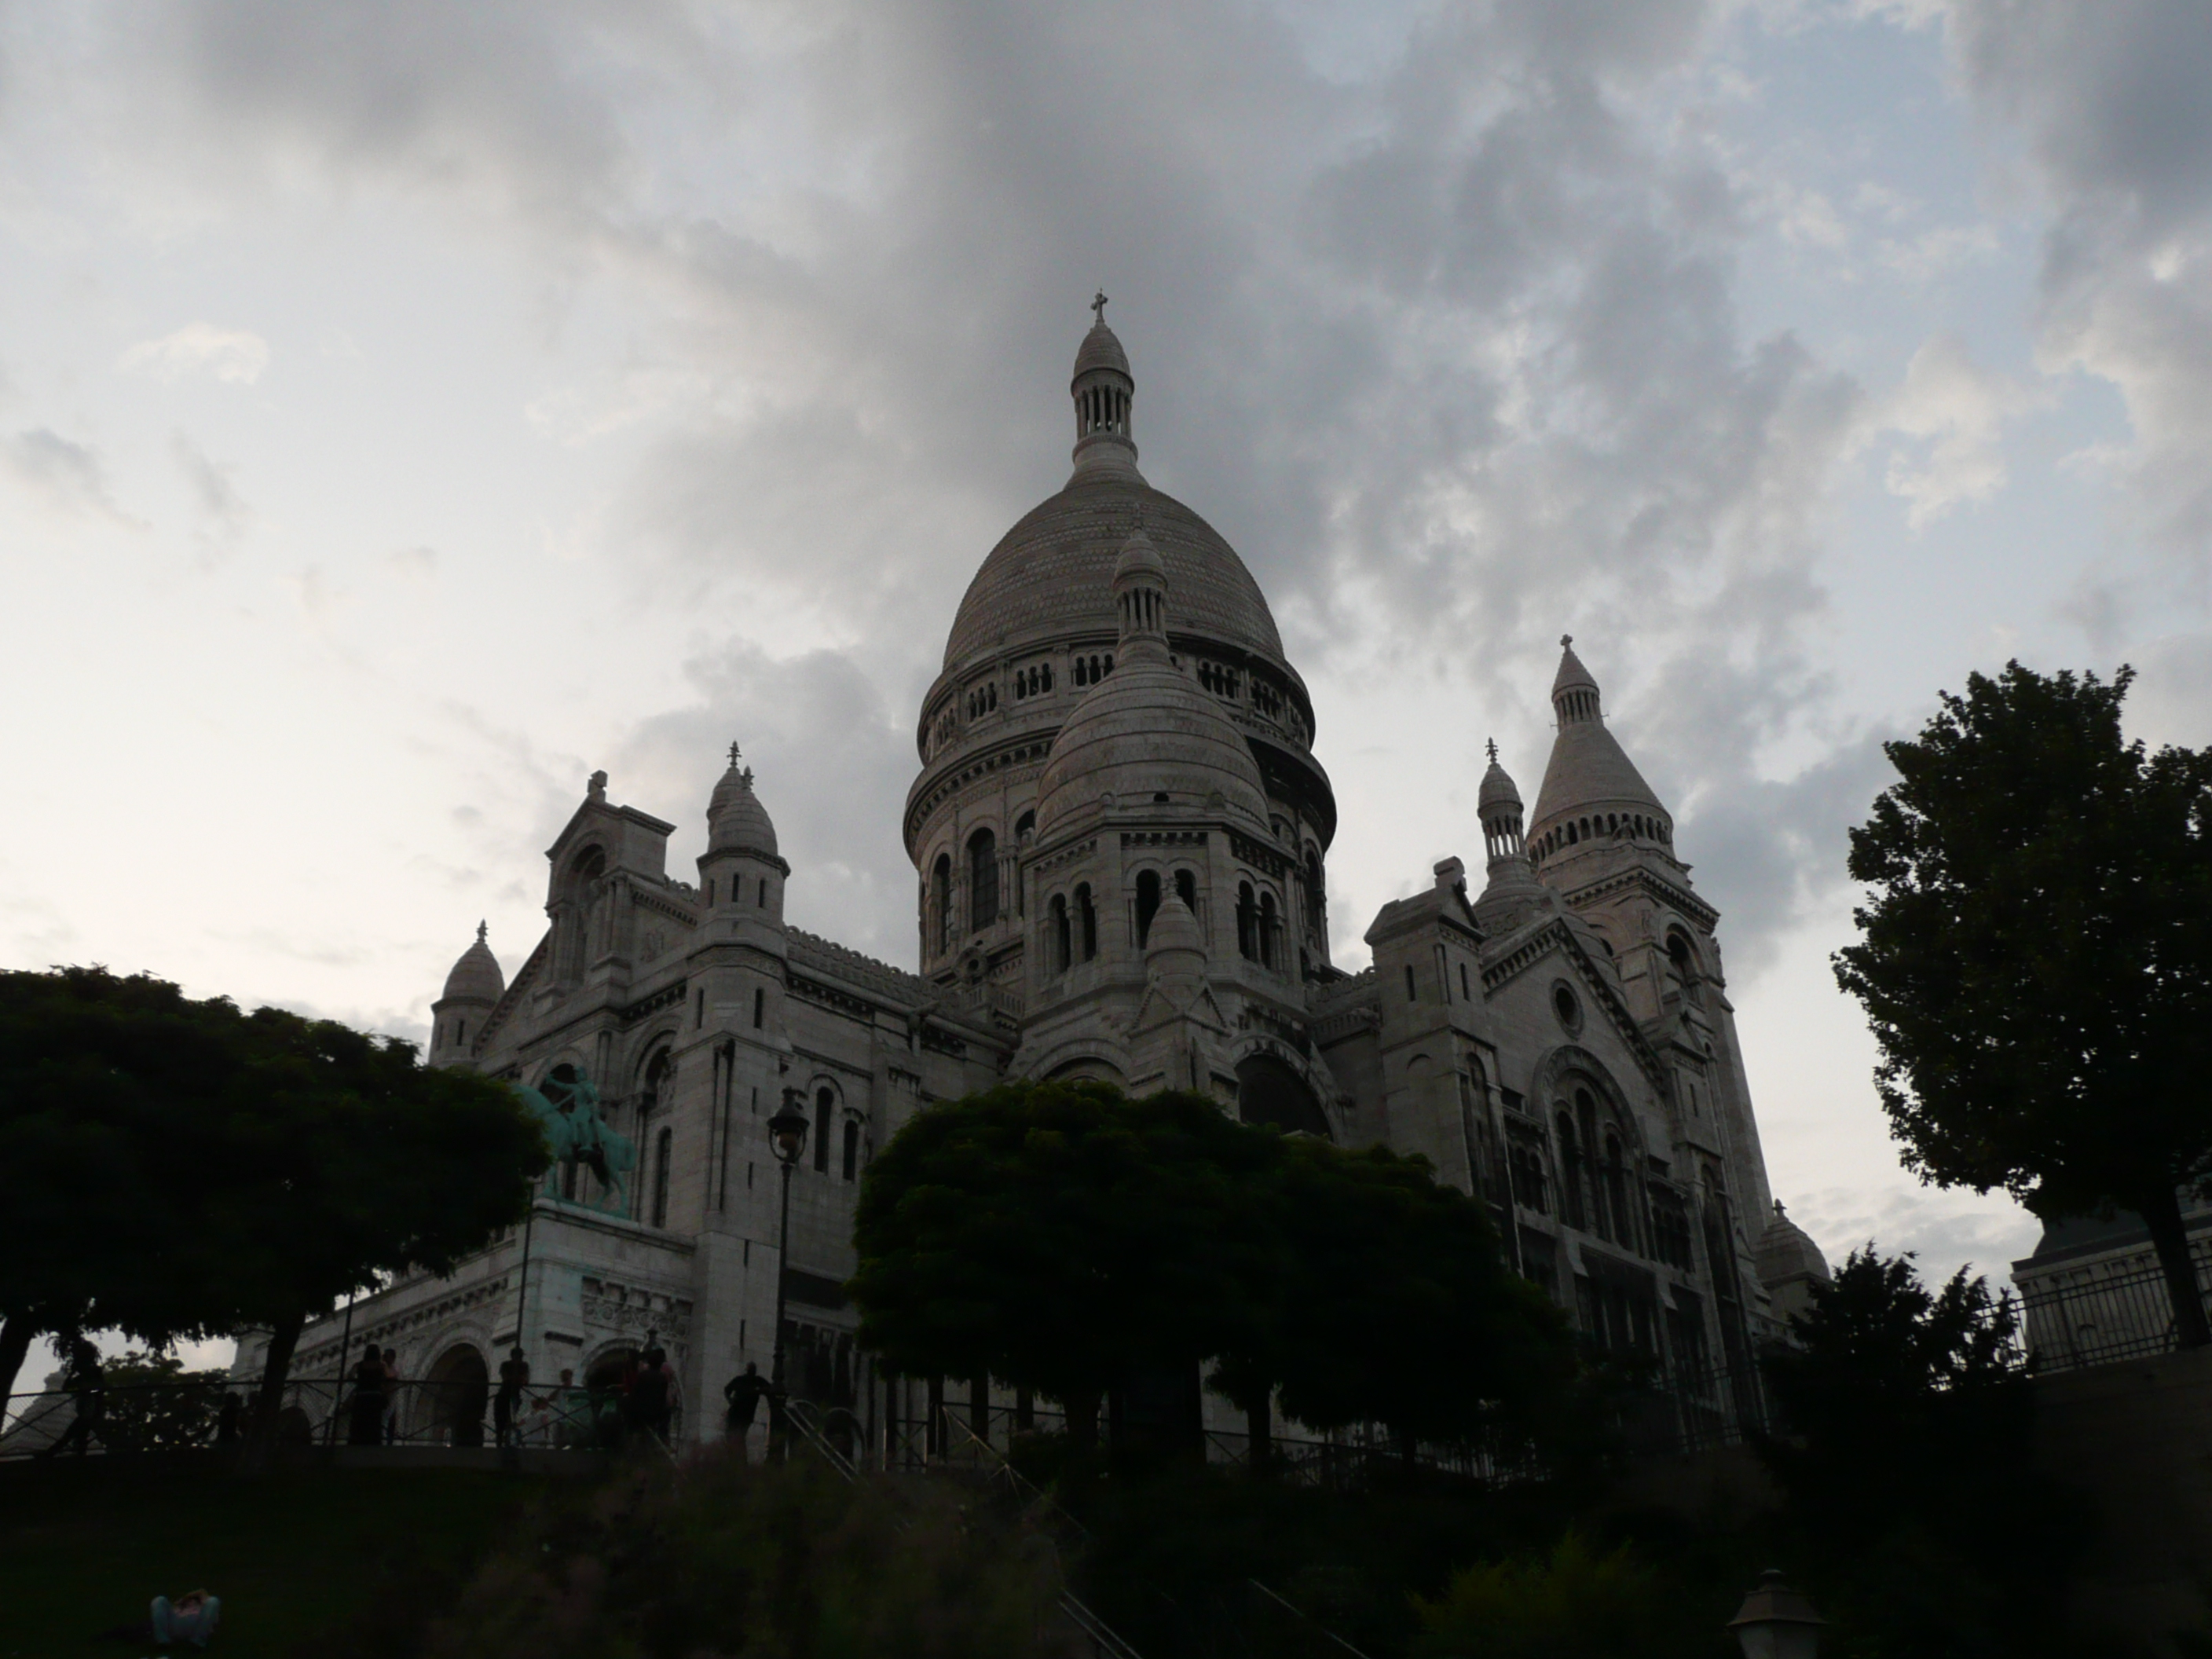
{"x":735,"y":821}
{"x":1589,"y":771}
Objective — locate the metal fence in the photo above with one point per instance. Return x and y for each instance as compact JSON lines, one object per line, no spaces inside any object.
{"x":2100,"y":1314}
{"x":174,"y":1416}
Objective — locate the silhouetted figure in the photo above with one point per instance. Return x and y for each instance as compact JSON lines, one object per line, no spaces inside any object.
{"x":651,"y":1400}
{"x":514,"y":1378}
{"x":229,"y":1420}
{"x":745,"y":1393}
{"x":88,"y":1389}
{"x":392,"y":1396}
{"x":191,"y":1618}
{"x":365,"y":1418}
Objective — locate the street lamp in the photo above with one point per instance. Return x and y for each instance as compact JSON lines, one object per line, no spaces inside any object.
{"x":1776,"y":1622}
{"x":786,"y":1132}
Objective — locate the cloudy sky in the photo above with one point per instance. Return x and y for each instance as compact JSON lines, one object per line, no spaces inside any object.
{"x":407,"y":407}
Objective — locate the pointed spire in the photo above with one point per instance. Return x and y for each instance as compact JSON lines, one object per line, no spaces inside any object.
{"x":1574,"y":690}
{"x":735,"y":818}
{"x":483,"y":931}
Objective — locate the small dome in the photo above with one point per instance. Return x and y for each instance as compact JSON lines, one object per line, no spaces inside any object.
{"x":735,"y":821}
{"x":1146,"y":733}
{"x":476,"y":977}
{"x":1100,"y":350}
{"x":1497,"y":790}
{"x":1787,"y":1253}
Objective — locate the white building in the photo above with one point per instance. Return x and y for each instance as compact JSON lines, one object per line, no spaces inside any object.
{"x":1121,"y":830}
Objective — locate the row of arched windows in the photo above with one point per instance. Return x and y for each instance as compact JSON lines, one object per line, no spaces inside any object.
{"x":1222,"y":682}
{"x":1033,"y":681}
{"x":982,"y":872}
{"x":1070,"y":929}
{"x":1089,"y":670}
{"x":1259,"y":927}
{"x":1635,"y":826}
{"x":736,"y":891}
{"x":982,"y":699}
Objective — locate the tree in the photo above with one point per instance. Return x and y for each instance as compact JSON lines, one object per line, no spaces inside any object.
{"x":1058,"y":1235}
{"x":1908,"y":1466}
{"x":2036,"y":958}
{"x":345,"y":1160}
{"x":152,"y":1403}
{"x":1399,"y":1308}
{"x":180,"y":1169}
{"x":107,"y":1102}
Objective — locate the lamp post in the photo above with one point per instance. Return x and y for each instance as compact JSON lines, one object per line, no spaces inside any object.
{"x":786,"y":1133}
{"x":1776,"y":1622}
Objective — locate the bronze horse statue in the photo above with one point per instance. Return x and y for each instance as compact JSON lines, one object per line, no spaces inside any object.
{"x":568,"y":1112}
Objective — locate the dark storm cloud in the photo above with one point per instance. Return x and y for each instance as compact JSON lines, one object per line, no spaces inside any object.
{"x":1451,"y":349}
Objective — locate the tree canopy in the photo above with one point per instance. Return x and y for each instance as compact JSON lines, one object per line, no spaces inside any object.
{"x":1057,"y":1236}
{"x":186,"y":1169}
{"x":2036,"y":957}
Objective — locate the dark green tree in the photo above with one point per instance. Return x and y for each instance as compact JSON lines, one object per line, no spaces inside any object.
{"x":180,"y":1169}
{"x":107,"y":1111}
{"x":1059,"y":1236}
{"x":345,"y":1159}
{"x":1908,"y":1466}
{"x":154,"y":1404}
{"x":1399,"y":1308}
{"x":2036,"y":958}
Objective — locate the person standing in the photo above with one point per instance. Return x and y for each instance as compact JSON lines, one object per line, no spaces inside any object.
{"x":87,"y":1390}
{"x":744,"y":1393}
{"x":649,"y":1402}
{"x":514,"y":1378}
{"x":365,"y":1423}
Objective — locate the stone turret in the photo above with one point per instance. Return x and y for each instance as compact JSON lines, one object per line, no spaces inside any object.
{"x":1513,"y":893}
{"x":741,"y":882}
{"x":472,"y":991}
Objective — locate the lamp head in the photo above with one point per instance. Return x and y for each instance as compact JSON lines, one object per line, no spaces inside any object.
{"x":1776,"y":1622}
{"x":786,"y":1130}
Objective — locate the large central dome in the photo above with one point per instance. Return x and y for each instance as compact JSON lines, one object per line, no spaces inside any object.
{"x":1053,"y":573}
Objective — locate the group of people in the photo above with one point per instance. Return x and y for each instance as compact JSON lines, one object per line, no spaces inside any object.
{"x":373,"y":1418}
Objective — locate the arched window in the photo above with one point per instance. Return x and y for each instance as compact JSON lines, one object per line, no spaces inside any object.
{"x":1616,"y":1192}
{"x":1187,"y":889}
{"x":825,"y":1106}
{"x":1316,"y":898}
{"x":1269,"y":922}
{"x":1086,"y":922}
{"x":1586,"y":1117}
{"x":763,"y":893}
{"x":760,"y":1006}
{"x":1057,"y":931}
{"x":1148,"y":903}
{"x":1571,"y":1174}
{"x":940,"y":903}
{"x":1248,"y":923}
{"x":982,"y":880}
{"x":1526,"y":1171}
{"x":852,"y":1165}
{"x":1269,"y":1090}
{"x":1684,"y":962}
{"x":663,"y":1154}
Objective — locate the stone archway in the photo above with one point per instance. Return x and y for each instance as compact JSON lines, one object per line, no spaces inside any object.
{"x":456,"y":1389}
{"x":1270,"y":1089}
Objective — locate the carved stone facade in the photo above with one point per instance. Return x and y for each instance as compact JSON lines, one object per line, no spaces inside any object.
{"x":1121,"y":834}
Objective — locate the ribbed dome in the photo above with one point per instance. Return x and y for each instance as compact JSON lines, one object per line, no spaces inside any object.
{"x":1572,"y":675}
{"x":1049,"y":575}
{"x":1148,"y":734}
{"x":1100,"y":350}
{"x":1174,"y":941}
{"x":735,"y":821}
{"x":1498,"y":789}
{"x":476,"y":977}
{"x":1786,"y":1251}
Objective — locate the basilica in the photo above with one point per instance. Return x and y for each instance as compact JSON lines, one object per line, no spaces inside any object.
{"x":1119,"y":829}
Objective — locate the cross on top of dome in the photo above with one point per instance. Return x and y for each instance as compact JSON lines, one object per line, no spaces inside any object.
{"x":1098,"y":308}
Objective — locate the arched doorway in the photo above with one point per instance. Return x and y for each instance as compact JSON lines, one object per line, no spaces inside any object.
{"x":1270,"y":1090}
{"x":458,"y":1388}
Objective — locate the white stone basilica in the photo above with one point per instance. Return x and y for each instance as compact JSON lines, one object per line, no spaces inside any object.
{"x":1121,"y":832}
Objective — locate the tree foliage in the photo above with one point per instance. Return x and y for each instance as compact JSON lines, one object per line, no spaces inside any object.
{"x":186,"y":1170}
{"x":1060,"y":1237}
{"x":1573,"y":1603}
{"x":152,"y":1403}
{"x":1908,"y":1465}
{"x":2036,"y":955}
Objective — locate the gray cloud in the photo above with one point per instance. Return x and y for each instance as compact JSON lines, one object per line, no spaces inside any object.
{"x":222,"y":513}
{"x":1450,"y":348}
{"x":66,"y":477}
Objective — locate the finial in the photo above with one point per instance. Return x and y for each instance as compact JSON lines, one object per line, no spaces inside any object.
{"x":1098,"y":309}
{"x":598,"y":786}
{"x":481,"y":931}
{"x":733,"y":754}
{"x":746,"y":777}
{"x":1493,"y":746}
{"x":1566,"y":641}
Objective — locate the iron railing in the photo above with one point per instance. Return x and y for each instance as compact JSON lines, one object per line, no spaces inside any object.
{"x":319,"y":1412}
{"x":2100,"y":1314}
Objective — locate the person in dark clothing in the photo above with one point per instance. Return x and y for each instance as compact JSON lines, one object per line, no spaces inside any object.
{"x":744,"y":1392}
{"x":365,"y":1416}
{"x":651,"y":1401}
{"x":227,"y":1422}
{"x":88,"y":1391}
{"x":514,"y":1378}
